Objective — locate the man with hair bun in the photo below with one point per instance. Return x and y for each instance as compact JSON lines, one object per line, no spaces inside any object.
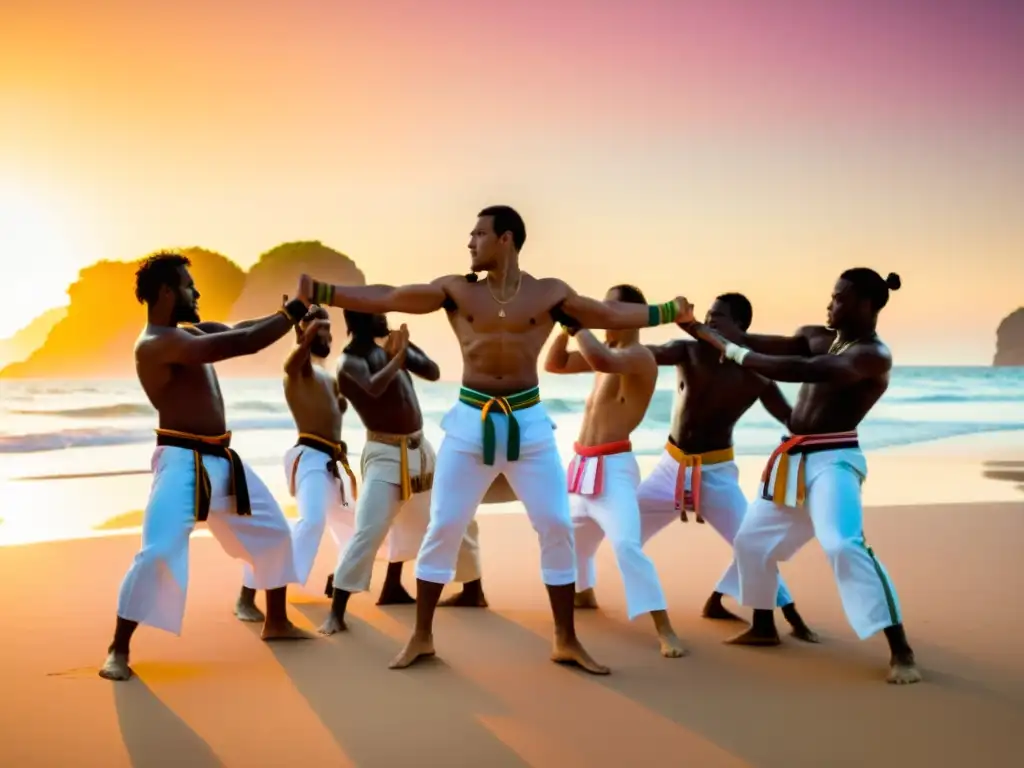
{"x":811,"y":485}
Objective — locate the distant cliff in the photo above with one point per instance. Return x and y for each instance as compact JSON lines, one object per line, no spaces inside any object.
{"x":94,"y":335}
{"x":94,"y":339}
{"x":26,"y":341}
{"x":1010,"y":340}
{"x":275,"y":274}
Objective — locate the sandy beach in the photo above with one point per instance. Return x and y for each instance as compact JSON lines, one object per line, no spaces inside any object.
{"x":220,"y":696}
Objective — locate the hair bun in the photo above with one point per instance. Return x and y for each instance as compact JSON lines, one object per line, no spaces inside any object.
{"x":893,"y":281}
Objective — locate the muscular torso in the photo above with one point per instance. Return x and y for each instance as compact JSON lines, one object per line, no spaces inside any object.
{"x":712,"y":398}
{"x":313,"y":401}
{"x":187,"y":397}
{"x":396,"y":410}
{"x":834,"y":407}
{"x":616,"y":406}
{"x":499,"y":354}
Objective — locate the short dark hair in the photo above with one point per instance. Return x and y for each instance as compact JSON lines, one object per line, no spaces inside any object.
{"x":507,"y":219}
{"x":739,"y":307}
{"x":629,"y":293}
{"x":156,"y":271}
{"x":358,"y":323}
{"x":868,"y":284}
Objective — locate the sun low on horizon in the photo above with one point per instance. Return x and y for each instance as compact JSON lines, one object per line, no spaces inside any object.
{"x":689,"y":148}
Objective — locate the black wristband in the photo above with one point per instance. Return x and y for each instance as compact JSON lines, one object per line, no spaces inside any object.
{"x":296,"y":309}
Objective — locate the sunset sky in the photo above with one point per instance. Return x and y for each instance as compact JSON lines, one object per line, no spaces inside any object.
{"x":687,"y":146}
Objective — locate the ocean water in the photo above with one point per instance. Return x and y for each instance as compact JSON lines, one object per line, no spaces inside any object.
{"x":106,"y":427}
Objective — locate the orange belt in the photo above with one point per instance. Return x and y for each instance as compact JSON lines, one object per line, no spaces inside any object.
{"x":577,"y":474}
{"x":691,"y":499}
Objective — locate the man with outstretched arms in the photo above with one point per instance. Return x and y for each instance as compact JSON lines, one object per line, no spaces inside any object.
{"x":196,"y":475}
{"x":811,"y":485}
{"x":499,"y":424}
{"x":697,"y":471}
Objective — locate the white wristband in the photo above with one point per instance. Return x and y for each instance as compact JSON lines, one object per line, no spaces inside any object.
{"x":735,"y":352}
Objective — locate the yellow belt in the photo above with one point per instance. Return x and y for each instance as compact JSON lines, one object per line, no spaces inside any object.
{"x":695,"y":461}
{"x":409,"y":485}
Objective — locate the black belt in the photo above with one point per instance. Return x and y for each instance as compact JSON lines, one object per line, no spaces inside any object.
{"x":237,"y":485}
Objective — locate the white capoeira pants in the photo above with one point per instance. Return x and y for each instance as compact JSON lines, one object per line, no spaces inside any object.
{"x":462,"y":478}
{"x":153,"y":590}
{"x":832,"y":512}
{"x":322,"y":502}
{"x":380,"y":509}
{"x":611,"y":510}
{"x":722,"y":504}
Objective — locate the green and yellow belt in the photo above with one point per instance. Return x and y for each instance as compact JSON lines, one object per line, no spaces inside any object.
{"x":507,"y":405}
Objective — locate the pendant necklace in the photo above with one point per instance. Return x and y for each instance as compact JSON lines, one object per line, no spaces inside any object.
{"x":499,"y":302}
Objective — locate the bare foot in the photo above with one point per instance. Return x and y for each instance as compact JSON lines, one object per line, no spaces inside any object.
{"x":713,"y":609}
{"x":751,"y":637}
{"x":395,"y":595}
{"x":246,"y":611}
{"x":464,"y":599}
{"x":116,"y":667}
{"x":671,"y":646}
{"x":332,"y":625}
{"x":572,"y":652}
{"x":900,"y":673}
{"x":586,"y":600}
{"x":805,"y":633}
{"x":284,"y":631}
{"x":417,"y":648}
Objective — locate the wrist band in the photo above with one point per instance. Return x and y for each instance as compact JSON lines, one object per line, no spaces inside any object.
{"x":294,"y":310}
{"x":661,"y":314}
{"x":735,"y":352}
{"x":323,"y":293}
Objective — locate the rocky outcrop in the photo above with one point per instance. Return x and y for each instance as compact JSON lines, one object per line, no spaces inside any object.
{"x":30,"y":338}
{"x":95,"y":337}
{"x":1010,"y":340}
{"x":275,"y":275}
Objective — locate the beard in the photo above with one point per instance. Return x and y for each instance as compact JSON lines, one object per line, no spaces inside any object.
{"x":186,"y":313}
{"x":320,"y":349}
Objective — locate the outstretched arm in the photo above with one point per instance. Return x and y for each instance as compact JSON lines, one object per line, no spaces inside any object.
{"x":561,"y":360}
{"x":775,"y":403}
{"x":797,"y":344}
{"x":853,"y":366}
{"x":417,"y":362}
{"x":419,"y":299}
{"x":623,"y":315}
{"x":212,"y":326}
{"x":670,"y":353}
{"x":184,"y":348}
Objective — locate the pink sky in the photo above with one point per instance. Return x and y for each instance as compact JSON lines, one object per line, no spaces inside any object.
{"x":699,"y":146}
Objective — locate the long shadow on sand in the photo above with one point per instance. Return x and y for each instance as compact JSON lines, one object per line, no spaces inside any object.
{"x":155,"y":735}
{"x":1009,"y":471}
{"x":380,"y":717}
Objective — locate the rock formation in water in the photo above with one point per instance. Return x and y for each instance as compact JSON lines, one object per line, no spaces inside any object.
{"x":95,"y":337}
{"x":1010,"y":340}
{"x":27,"y":340}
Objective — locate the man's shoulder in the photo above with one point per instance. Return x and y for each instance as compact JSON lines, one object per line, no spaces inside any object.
{"x":814,"y":331}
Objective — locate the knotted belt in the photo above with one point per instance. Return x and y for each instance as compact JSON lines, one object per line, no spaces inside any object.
{"x":337,"y":453}
{"x":798,"y":445}
{"x":410,"y":485}
{"x":507,"y":405}
{"x":585,"y":474}
{"x":206,"y":445}
{"x":690,"y":500}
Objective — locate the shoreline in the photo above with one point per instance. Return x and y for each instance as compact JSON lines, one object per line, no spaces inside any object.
{"x":984,"y":467}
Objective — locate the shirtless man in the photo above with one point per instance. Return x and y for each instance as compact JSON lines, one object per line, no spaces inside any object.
{"x":811,"y":486}
{"x":603,"y":475}
{"x":499,"y":424}
{"x":697,"y":470}
{"x":196,"y":475}
{"x":397,"y":467}
{"x":321,"y":489}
